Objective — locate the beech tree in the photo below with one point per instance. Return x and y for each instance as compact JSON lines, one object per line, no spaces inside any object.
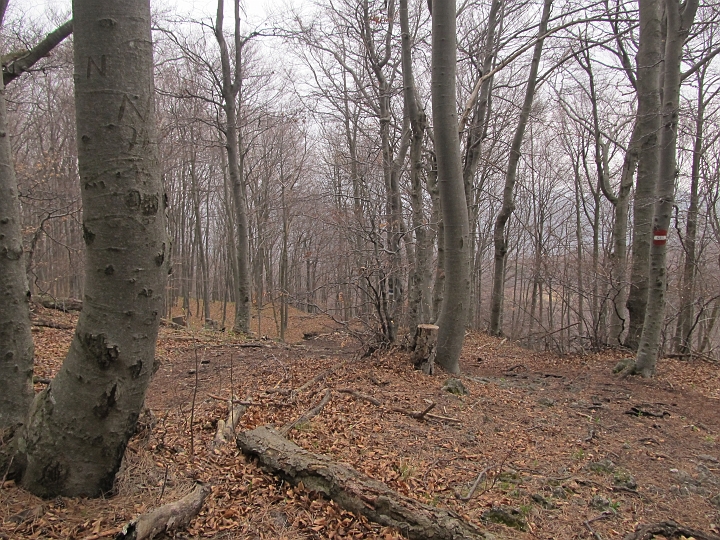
{"x":80,"y":424}
{"x":455,"y":303}
{"x":508,"y":206}
{"x":16,"y":344}
{"x":679,"y":19}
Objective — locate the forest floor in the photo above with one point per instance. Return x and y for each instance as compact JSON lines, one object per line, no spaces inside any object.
{"x":560,"y":444}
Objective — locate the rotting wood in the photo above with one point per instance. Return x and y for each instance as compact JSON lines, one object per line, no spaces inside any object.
{"x":423,"y":355}
{"x":225,"y":431}
{"x":309,"y":414}
{"x":61,"y":304}
{"x":353,"y":490}
{"x":668,"y":529}
{"x":52,"y":324}
{"x":169,"y":517}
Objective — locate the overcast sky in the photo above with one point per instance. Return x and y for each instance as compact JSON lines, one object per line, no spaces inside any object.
{"x":255,"y":9}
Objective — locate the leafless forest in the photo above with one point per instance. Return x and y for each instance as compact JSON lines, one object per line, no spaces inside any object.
{"x":310,"y":132}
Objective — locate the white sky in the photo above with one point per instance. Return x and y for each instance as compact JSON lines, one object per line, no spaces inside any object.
{"x":255,"y":9}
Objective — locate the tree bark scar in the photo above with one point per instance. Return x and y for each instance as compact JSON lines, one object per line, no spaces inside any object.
{"x":107,"y":402}
{"x":136,"y":369}
{"x":160,"y":257}
{"x":97,"y":346}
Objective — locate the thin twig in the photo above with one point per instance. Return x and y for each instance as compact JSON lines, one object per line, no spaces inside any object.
{"x":309,"y":414}
{"x":162,"y":491}
{"x":475,"y":485}
{"x":192,"y":407}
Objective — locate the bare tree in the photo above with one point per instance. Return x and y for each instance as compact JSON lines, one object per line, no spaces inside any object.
{"x":80,"y":424}
{"x":500,"y":241}
{"x":453,"y":313}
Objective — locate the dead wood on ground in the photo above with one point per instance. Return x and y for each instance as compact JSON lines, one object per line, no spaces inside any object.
{"x":353,"y":490}
{"x":169,"y":517}
{"x":668,"y":529}
{"x":304,"y":418}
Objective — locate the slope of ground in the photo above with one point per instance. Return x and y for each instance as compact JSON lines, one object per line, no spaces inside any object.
{"x":558,"y":444}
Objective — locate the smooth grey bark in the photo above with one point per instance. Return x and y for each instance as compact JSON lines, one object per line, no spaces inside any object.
{"x":685,"y":321}
{"x":679,"y":19}
{"x":79,"y":425}
{"x":473,"y":141}
{"x":16,"y":344}
{"x":420,"y":275}
{"x":648,"y":60}
{"x":454,"y":309}
{"x":204,"y":276}
{"x":508,"y":204}
{"x":231,"y":84}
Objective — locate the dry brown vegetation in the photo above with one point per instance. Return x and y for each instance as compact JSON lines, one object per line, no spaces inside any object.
{"x":560,"y":443}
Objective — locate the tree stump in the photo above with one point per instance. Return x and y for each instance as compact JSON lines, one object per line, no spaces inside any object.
{"x":423,"y":355}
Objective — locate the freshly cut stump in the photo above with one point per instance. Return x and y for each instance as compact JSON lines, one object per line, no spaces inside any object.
{"x":423,"y":355}
{"x":353,"y":490}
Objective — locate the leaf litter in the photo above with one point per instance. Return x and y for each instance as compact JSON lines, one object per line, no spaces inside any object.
{"x":542,"y":446}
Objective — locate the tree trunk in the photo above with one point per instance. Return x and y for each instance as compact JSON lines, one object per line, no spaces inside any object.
{"x":231,"y":82}
{"x":425,"y":348}
{"x":474,"y":138}
{"x":16,"y":344}
{"x":679,"y":20}
{"x":454,"y":309}
{"x":649,"y":59}
{"x":508,"y":205}
{"x":685,"y":322}
{"x":79,"y":426}
{"x":420,"y":275}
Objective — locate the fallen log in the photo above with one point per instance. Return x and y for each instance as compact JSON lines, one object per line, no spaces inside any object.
{"x":169,"y":517}
{"x":353,"y":490}
{"x":668,"y":529}
{"x":61,"y":304}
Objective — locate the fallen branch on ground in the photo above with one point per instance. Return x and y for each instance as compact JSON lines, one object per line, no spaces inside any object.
{"x":169,"y":517}
{"x":412,"y":414}
{"x":474,"y":486}
{"x":353,"y":490}
{"x":51,"y":324}
{"x":358,"y":395}
{"x":668,"y":529}
{"x":321,"y":376}
{"x":309,"y":414}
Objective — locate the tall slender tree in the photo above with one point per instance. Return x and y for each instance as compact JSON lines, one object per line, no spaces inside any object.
{"x":508,"y":205}
{"x":455,"y":303}
{"x":679,"y":19}
{"x":16,"y":344}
